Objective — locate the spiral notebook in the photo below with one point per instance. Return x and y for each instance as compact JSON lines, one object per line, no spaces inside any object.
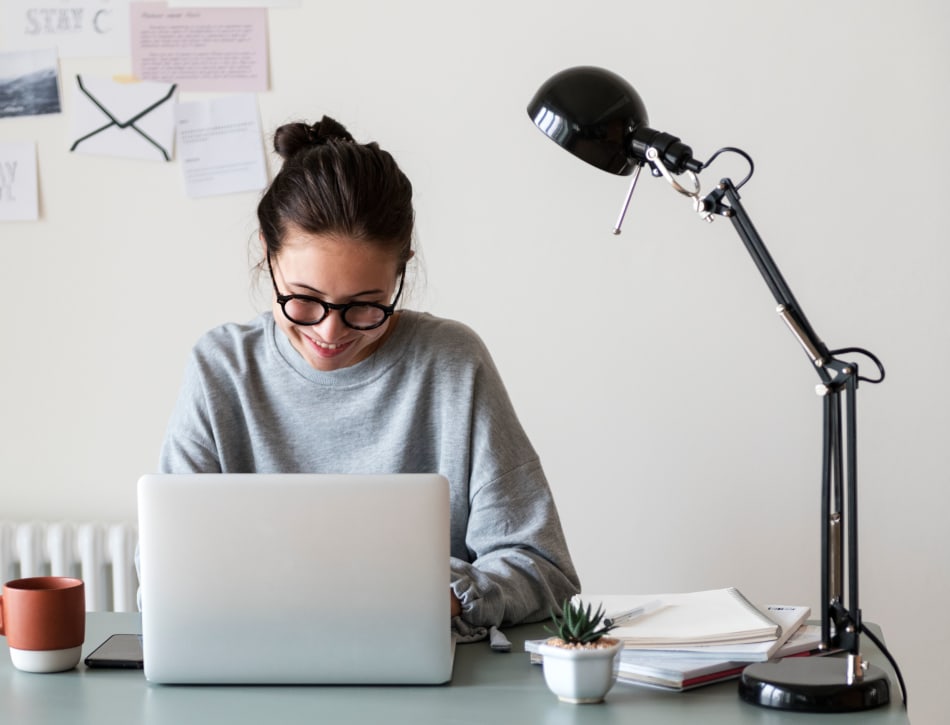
{"x":714,"y":616}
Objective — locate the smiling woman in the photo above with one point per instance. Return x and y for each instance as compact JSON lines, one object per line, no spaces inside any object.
{"x":336,"y":379}
{"x":337,"y":223}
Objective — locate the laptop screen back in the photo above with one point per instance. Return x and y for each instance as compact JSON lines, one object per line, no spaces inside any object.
{"x":295,"y":578}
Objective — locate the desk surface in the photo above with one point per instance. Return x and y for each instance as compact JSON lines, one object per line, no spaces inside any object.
{"x":487,"y":687}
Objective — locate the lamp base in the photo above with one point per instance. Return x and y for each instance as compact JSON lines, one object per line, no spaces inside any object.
{"x":812,"y":684}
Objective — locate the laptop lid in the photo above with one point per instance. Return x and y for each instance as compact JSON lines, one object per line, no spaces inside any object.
{"x":295,"y":578}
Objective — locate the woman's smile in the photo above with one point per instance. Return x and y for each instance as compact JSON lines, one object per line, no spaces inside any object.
{"x":328,"y":349}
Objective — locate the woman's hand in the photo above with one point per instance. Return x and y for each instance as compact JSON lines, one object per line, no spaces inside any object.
{"x":456,"y":605}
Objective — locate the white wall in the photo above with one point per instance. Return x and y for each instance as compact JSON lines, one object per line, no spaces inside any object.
{"x":682,"y":443}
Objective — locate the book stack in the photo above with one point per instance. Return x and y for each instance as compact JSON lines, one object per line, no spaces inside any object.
{"x":692,"y":639}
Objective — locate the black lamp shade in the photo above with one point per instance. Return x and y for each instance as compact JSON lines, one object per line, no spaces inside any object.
{"x":591,"y":112}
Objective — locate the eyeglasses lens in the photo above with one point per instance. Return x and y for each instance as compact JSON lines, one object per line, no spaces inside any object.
{"x":362,"y":316}
{"x":303,"y":311}
{"x":307,"y":312}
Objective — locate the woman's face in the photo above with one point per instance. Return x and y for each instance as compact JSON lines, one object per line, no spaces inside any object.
{"x":336,"y":270}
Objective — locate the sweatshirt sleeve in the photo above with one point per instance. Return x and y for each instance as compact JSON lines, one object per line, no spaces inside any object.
{"x":520,"y":566}
{"x":516,"y":563}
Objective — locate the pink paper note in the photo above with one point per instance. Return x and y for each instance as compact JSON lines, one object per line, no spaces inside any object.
{"x":200,"y":49}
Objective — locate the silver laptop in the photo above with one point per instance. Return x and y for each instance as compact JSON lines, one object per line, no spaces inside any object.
{"x":295,"y":578}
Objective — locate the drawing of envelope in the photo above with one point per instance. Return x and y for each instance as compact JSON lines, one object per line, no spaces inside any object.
{"x":133,"y":120}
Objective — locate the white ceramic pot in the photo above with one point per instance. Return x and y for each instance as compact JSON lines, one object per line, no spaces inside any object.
{"x":580,"y":675}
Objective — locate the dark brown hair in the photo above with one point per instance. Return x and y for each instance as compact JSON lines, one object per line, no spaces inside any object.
{"x":331,"y":185}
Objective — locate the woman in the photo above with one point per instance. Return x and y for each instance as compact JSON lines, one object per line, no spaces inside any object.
{"x":334,"y":379}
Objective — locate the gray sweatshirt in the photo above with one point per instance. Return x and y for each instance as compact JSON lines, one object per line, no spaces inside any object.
{"x":430,"y":400}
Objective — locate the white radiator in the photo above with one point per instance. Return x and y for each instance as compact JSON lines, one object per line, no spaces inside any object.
{"x":102,"y":555}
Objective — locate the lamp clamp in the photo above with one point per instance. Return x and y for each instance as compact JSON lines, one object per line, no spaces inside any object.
{"x":701,"y":206}
{"x":658,"y":168}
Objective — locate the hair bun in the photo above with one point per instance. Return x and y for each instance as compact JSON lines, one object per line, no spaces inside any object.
{"x":291,"y":138}
{"x":327,"y":129}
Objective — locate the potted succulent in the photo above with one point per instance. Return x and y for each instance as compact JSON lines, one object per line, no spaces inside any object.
{"x":580,"y":663}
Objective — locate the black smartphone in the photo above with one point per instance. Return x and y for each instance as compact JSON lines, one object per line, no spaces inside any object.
{"x":119,"y":651}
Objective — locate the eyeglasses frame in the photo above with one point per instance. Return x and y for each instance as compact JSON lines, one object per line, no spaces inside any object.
{"x":282,"y":300}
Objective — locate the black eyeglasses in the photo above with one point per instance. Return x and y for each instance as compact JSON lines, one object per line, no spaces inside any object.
{"x":306,"y":310}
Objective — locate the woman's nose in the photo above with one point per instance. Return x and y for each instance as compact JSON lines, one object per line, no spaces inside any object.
{"x":332,"y":327}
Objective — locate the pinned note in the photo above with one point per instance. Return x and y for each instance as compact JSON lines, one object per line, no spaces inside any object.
{"x":19,"y":196}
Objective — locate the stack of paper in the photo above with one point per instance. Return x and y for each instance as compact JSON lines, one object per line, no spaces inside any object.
{"x":698,"y":638}
{"x":686,"y":671}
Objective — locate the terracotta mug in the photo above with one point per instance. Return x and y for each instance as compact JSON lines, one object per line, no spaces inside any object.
{"x":44,"y":621}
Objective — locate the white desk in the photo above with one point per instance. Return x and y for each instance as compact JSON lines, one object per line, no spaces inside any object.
{"x":488,"y":688}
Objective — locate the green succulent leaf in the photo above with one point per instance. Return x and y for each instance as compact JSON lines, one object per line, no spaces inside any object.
{"x":576,"y":623}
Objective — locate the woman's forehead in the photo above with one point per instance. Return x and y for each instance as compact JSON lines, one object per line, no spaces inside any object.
{"x":311,"y":258}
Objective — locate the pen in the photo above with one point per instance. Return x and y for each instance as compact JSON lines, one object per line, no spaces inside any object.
{"x":632,"y":614}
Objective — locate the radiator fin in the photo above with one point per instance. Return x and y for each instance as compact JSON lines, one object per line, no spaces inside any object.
{"x":101,"y":554}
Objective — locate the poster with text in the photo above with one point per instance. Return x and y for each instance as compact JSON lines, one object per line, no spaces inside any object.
{"x":200,"y":49}
{"x":76,"y":28}
{"x":221,"y":146}
{"x":19,"y":195}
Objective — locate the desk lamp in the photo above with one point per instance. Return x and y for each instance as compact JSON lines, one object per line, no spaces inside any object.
{"x":600,"y":118}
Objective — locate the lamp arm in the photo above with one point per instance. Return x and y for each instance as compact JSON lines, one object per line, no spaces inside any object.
{"x":725,"y":201}
{"x":839,"y":381}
